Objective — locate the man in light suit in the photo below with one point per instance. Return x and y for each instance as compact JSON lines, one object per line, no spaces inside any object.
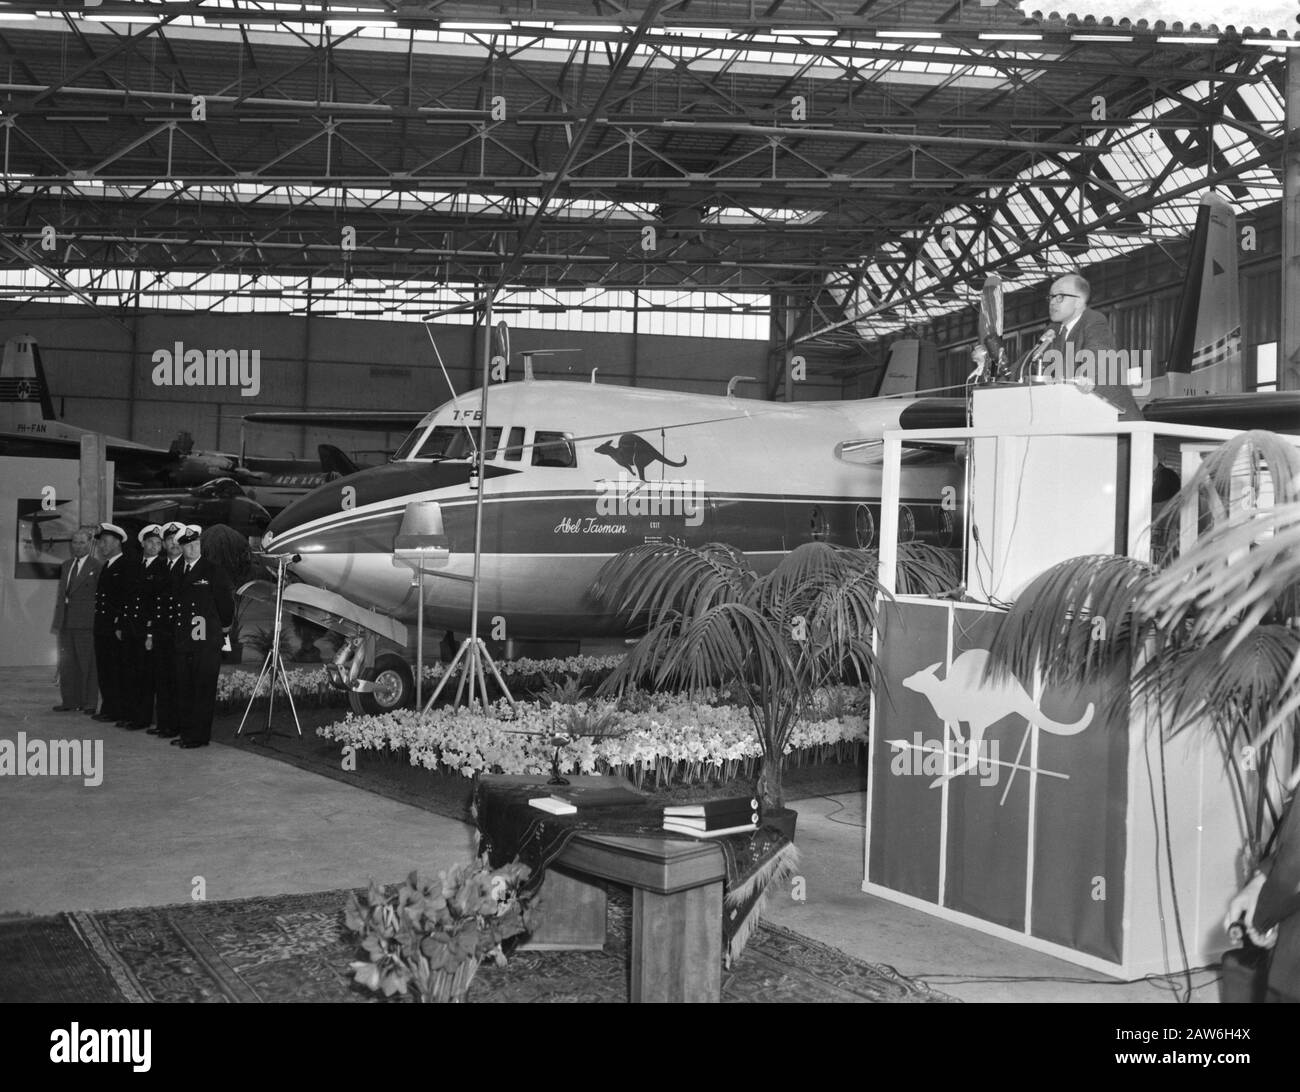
{"x":1080,"y":334}
{"x":74,"y":625}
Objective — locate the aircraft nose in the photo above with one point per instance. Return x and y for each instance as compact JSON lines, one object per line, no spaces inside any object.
{"x":371,"y":486}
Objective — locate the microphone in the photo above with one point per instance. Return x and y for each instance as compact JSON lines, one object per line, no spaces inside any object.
{"x":1036,"y":353}
{"x":1048,"y":336}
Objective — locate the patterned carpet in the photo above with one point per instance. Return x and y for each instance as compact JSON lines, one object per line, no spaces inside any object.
{"x":295,"y":948}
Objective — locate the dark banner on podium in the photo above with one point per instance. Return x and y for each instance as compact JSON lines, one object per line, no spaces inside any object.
{"x":999,"y":802}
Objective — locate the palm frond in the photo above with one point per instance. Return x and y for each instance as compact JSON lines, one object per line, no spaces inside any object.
{"x":729,"y":640}
{"x":1237,"y":687}
{"x":922,"y":569}
{"x":641,"y":664}
{"x":794,"y":582}
{"x":1232,"y":577}
{"x":648,"y":581}
{"x":840,"y":625}
{"x":1072,"y":622}
{"x":1240,"y":470}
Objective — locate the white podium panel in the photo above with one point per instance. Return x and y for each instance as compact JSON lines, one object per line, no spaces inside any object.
{"x":1070,"y":481}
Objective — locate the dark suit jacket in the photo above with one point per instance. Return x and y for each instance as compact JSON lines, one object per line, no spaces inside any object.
{"x":1092,"y":333}
{"x":74,"y":607}
{"x":1279,"y":904}
{"x":204,"y":592}
{"x":113,"y":595}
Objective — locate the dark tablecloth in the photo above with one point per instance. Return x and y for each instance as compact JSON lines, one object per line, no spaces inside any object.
{"x":509,"y":829}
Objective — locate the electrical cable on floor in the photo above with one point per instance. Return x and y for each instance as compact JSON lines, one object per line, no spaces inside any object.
{"x":1160,"y":981}
{"x":839,"y":807}
{"x":1169,"y":854}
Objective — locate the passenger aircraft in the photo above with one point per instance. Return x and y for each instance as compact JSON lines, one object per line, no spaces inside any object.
{"x":574,"y":473}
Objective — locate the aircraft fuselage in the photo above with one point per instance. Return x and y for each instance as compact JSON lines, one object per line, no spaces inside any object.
{"x":577,"y":473}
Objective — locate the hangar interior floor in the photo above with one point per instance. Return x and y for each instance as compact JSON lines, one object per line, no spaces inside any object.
{"x":165,"y":820}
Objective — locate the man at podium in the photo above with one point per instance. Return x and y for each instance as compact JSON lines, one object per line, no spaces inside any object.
{"x":1080,"y":342}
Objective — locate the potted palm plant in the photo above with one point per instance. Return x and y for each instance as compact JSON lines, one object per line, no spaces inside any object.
{"x":711,"y":621}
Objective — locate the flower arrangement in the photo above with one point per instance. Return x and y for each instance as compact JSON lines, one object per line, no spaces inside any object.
{"x":663,"y":739}
{"x":433,"y":935}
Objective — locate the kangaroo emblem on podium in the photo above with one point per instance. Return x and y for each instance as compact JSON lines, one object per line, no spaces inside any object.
{"x":965,"y":695}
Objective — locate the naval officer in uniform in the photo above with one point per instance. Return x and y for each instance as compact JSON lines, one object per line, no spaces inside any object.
{"x":112,"y":609}
{"x":163,"y":643}
{"x":203,"y":612}
{"x":144,"y":621}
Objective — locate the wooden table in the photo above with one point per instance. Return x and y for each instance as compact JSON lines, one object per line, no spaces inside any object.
{"x":676,"y":910}
{"x":676,"y":904}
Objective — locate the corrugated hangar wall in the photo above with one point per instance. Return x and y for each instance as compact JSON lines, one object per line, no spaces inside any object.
{"x":101,"y":372}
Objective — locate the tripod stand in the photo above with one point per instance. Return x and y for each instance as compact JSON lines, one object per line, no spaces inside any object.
{"x":274,"y":663}
{"x":473,"y":650}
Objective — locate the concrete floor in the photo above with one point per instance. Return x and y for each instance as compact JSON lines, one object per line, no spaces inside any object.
{"x":165,"y":822}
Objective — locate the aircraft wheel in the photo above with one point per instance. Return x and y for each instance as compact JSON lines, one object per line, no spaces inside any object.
{"x":394,"y":686}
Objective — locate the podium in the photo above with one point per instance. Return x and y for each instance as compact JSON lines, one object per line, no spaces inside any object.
{"x":1023,"y":812}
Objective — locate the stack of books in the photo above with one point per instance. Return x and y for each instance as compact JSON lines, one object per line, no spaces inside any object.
{"x":713,"y":818}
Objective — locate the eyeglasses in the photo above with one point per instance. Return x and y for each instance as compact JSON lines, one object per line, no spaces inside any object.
{"x":1057,"y":297}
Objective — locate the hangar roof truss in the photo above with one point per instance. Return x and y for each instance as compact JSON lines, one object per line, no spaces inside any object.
{"x":866,"y":161}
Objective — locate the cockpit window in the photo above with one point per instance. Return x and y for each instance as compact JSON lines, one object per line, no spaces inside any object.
{"x":455,"y":442}
{"x":514,"y":449}
{"x":411,"y":442}
{"x":552,"y":449}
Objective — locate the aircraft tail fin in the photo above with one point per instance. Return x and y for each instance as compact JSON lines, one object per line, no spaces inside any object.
{"x":902,"y":369}
{"x":333,"y":461}
{"x":1205,"y":355}
{"x":24,"y":394}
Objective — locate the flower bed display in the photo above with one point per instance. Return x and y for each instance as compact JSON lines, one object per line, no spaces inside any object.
{"x":671,"y":740}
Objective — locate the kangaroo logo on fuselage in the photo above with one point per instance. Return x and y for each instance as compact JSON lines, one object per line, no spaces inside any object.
{"x":965,"y":695}
{"x":634,"y":453}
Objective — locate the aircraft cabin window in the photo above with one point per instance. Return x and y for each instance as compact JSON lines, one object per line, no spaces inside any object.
{"x":552,"y":449}
{"x":514,"y":449}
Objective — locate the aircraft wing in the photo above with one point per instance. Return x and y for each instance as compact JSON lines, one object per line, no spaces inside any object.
{"x":138,"y":457}
{"x":367,"y":420}
{"x":1277,"y":411}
